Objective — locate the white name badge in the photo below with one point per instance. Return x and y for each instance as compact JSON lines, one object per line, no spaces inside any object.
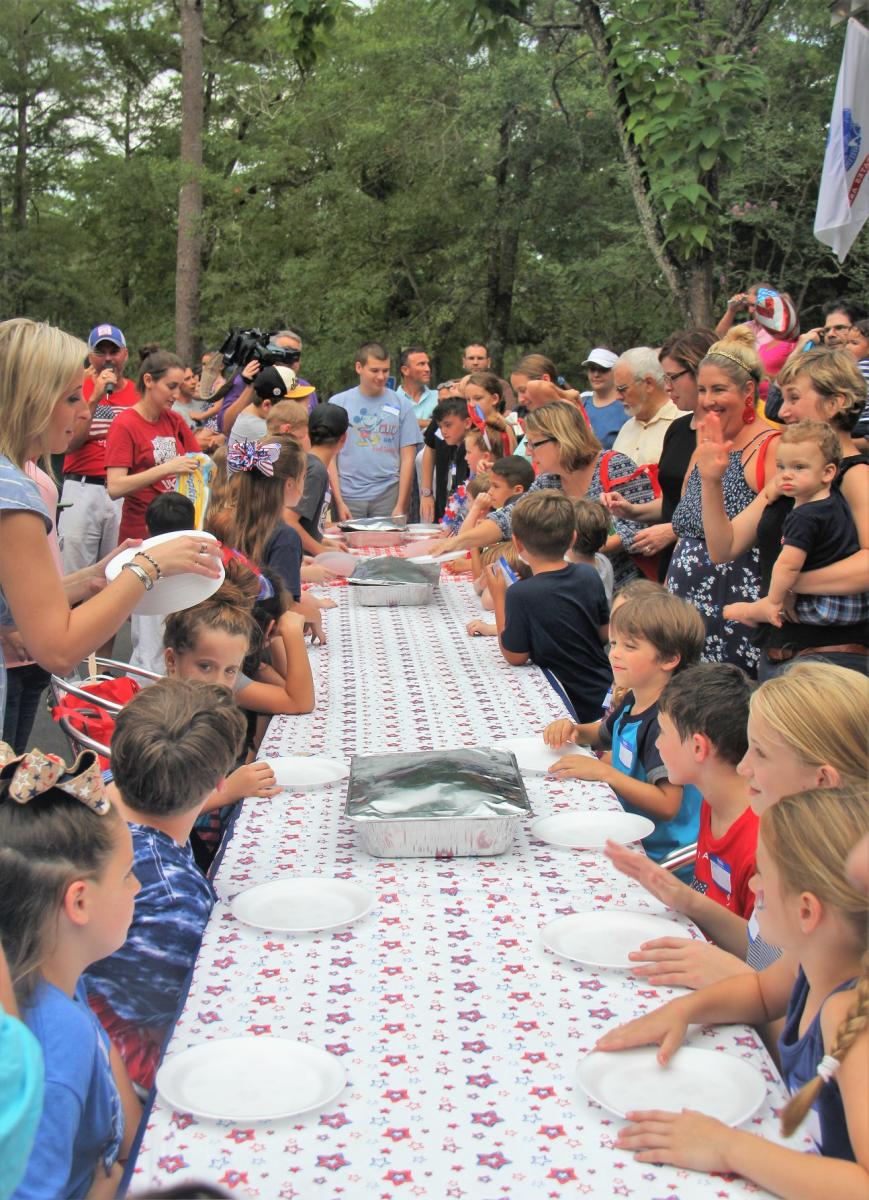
{"x":390,"y":408}
{"x":753,"y":927}
{"x":626,"y":755}
{"x":720,"y":871}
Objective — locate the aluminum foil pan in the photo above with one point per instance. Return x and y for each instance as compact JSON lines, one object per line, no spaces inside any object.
{"x":436,"y":803}
{"x":374,"y":524}
{"x":393,"y":595}
{"x":391,"y":570}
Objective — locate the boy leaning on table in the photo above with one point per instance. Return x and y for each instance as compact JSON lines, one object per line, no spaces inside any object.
{"x":172,"y":746}
{"x":651,"y":639}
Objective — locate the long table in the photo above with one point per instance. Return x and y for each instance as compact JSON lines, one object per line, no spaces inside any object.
{"x":459,"y":1032}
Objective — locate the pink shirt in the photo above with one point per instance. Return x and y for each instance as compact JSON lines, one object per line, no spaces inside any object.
{"x":48,"y":492}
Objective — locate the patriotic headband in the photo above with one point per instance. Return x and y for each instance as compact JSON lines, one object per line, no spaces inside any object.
{"x":253,"y":456}
{"x":33,"y":773}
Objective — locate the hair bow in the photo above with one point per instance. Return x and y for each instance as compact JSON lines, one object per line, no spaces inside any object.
{"x":30,"y":775}
{"x":253,"y":456}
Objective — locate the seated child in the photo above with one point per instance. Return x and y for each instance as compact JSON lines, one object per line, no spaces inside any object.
{"x":444,"y":465}
{"x":327,"y":432}
{"x":170,"y":512}
{"x":650,"y":640}
{"x":592,"y":531}
{"x":494,"y":554}
{"x":479,"y":459}
{"x":290,"y":417}
{"x":817,"y":532}
{"x":557,"y":618}
{"x":269,"y":385}
{"x":173,"y":744}
{"x":22,"y":1082}
{"x":66,"y":900}
{"x":805,"y":902}
{"x":509,"y":478}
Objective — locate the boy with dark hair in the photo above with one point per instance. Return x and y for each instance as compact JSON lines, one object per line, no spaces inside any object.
{"x":557,"y":618}
{"x":170,"y":512}
{"x":592,"y":531}
{"x":444,"y":465}
{"x":650,"y":641}
{"x":172,"y":745}
{"x":270,"y":385}
{"x":325,"y":432}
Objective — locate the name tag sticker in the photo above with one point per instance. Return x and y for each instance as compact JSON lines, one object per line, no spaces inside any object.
{"x":626,"y":755}
{"x":390,"y":408}
{"x":753,"y":927}
{"x":720,"y":873}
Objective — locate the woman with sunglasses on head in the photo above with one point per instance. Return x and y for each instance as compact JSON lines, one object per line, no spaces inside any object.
{"x":680,"y":356}
{"x":40,"y":402}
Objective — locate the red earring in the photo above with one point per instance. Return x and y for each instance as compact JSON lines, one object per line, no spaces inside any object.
{"x":748,"y":413}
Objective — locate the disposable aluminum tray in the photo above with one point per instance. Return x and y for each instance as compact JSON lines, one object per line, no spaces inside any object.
{"x":374,"y":531}
{"x":393,"y":595}
{"x":436,"y":803}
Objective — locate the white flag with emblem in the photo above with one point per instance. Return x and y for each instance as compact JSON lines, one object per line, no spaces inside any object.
{"x":843,"y":201}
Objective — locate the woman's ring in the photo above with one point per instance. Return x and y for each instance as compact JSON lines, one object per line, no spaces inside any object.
{"x":203,"y":549}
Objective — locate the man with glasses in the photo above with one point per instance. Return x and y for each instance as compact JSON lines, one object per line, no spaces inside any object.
{"x":639,"y":381}
{"x":840,"y":317}
{"x":603,"y":405}
{"x":88,"y":527}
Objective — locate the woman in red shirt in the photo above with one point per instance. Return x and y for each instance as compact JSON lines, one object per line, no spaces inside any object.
{"x":148,"y":443}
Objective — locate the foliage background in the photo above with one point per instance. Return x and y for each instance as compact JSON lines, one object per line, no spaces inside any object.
{"x":414,"y":182}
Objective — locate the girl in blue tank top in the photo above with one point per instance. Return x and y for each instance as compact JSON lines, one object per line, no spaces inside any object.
{"x":805,"y":904}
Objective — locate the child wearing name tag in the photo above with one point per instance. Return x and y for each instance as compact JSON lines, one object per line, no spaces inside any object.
{"x":806,"y":904}
{"x":806,"y":729}
{"x":650,"y":640}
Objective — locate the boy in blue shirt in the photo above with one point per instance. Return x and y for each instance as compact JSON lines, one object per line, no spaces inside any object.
{"x":173,"y":744}
{"x":650,"y":640}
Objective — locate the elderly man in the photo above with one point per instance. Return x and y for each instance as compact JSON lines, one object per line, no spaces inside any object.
{"x":639,"y":380}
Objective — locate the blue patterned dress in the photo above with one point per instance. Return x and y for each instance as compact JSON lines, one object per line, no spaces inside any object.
{"x":710,"y":586}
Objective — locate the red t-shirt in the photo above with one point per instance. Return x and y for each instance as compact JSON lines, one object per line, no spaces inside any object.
{"x":90,"y":459}
{"x":724,"y":865}
{"x":138,"y":445}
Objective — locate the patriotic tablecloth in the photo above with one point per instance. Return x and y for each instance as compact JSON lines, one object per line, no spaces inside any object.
{"x":459,"y":1033}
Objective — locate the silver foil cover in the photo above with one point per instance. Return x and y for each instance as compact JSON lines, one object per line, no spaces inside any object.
{"x":432,"y":803}
{"x":373,"y":524}
{"x":390,"y":569}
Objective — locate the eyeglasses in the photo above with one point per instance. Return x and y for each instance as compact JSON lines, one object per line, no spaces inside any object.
{"x":624,"y":388}
{"x":542,"y":442}
{"x":668,"y":379}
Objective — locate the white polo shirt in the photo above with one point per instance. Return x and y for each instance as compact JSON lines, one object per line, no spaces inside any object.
{"x":643,"y":440}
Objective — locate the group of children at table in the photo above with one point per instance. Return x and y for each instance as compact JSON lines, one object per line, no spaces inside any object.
{"x":102,"y":903}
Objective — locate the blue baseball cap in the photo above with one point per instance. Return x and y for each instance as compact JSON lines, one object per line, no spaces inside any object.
{"x":106,"y":333}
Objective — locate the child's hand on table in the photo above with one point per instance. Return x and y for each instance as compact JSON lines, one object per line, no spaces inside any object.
{"x":662,"y":884}
{"x":686,"y":1139}
{"x":560,"y":733}
{"x":665,"y":1027}
{"x":323,"y":601}
{"x":253,"y":779}
{"x":685,"y":962}
{"x":582,"y":766}
{"x":481,"y":629}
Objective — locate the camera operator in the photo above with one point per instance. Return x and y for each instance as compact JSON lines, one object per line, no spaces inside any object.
{"x":241,"y":393}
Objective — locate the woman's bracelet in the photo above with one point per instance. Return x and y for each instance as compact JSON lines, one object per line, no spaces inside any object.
{"x":144,"y":554}
{"x":140,"y":573}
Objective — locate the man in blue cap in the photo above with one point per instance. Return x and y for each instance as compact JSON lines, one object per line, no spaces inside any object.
{"x":88,"y":528}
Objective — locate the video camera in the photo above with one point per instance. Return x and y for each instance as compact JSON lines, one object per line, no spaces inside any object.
{"x":244,"y":345}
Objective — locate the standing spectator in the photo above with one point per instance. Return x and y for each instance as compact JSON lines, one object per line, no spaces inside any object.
{"x":603,"y":405}
{"x":415,"y":371}
{"x":148,"y":444}
{"x":190,"y":409}
{"x":376,"y":465}
{"x":88,"y":528}
{"x":745,"y":302}
{"x":476,"y":357}
{"x":639,"y":380}
{"x":858,"y":347}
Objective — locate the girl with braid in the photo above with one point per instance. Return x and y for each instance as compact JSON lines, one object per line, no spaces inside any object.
{"x":807,"y":905}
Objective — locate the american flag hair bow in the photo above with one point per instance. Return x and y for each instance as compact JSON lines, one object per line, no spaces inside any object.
{"x":29,"y":775}
{"x":253,"y":456}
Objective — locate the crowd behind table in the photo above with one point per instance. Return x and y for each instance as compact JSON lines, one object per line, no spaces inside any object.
{"x":695,"y":521}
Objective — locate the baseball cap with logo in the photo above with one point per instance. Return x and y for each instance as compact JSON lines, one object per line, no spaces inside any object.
{"x":106,"y":333}
{"x":279,"y":383}
{"x":599,"y":357}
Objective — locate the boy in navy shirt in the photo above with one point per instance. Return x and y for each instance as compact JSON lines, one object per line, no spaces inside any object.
{"x":557,"y":618}
{"x":650,"y":640}
{"x":173,"y":744}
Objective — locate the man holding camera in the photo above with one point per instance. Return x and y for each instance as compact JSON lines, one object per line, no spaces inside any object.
{"x":240,"y":394}
{"x":88,"y":527}
{"x":377,"y":462}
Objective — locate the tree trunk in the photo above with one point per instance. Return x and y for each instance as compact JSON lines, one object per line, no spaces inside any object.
{"x":22,"y":145}
{"x":188,"y":256}
{"x":700,"y":291}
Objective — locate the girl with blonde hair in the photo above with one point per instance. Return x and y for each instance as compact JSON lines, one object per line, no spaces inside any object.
{"x":41,"y":376}
{"x":805,"y":903}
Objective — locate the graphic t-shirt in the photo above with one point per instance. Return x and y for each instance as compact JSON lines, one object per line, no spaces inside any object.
{"x":380,"y":427}
{"x":724,"y":865}
{"x":138,"y":445}
{"x":90,"y":459}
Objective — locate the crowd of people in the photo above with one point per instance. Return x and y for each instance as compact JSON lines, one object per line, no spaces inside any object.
{"x":682,"y":547}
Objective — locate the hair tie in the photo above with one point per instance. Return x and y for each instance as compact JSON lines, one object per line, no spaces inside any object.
{"x":827,"y":1067}
{"x":253,"y":456}
{"x":34,"y":773}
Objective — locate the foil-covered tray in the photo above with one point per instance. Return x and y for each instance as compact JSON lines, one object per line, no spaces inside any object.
{"x":373,"y":524}
{"x":436,"y":803}
{"x":378,"y":572}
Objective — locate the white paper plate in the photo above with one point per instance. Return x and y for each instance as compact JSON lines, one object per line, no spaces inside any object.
{"x":250,"y":1079}
{"x":591,"y":830}
{"x":306,"y":771}
{"x":431,"y":558}
{"x":605,"y":939}
{"x":310,"y":904}
{"x":533,"y":755}
{"x":709,"y":1081}
{"x":176,"y":592}
{"x":337,"y":560}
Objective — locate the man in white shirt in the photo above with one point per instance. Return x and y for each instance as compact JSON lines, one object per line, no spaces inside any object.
{"x":639,"y":380}
{"x":414,"y":367}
